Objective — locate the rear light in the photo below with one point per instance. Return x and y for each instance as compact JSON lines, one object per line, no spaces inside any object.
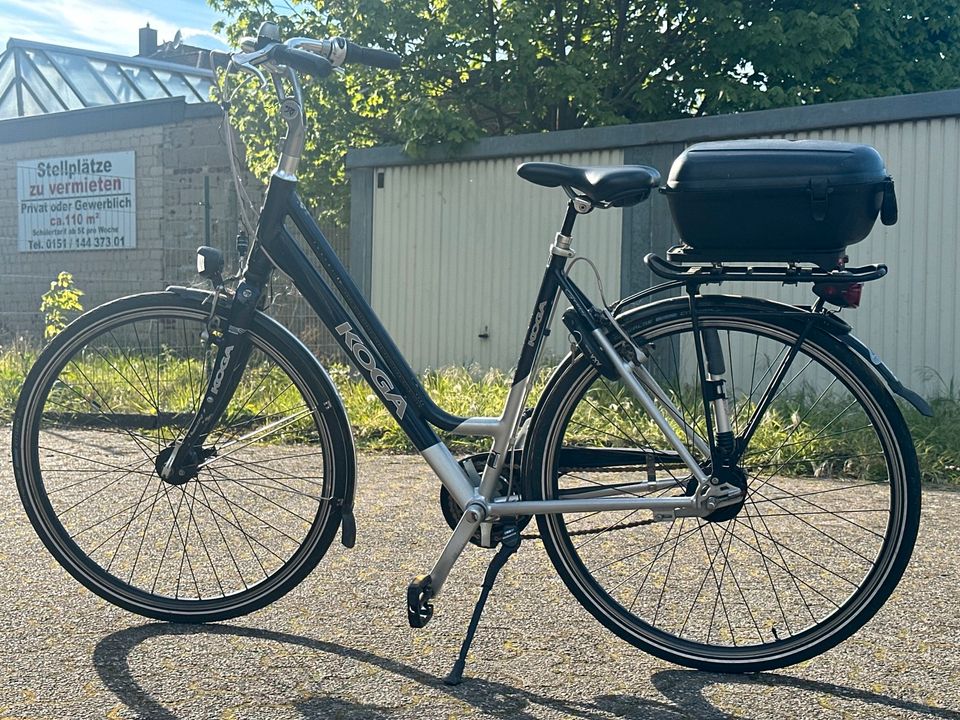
{"x":844,"y":295}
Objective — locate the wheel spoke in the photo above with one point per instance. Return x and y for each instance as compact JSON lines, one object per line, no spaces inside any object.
{"x":245,"y":518}
{"x":820,"y":479}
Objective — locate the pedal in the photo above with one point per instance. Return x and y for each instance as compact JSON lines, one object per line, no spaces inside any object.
{"x":419,"y":607}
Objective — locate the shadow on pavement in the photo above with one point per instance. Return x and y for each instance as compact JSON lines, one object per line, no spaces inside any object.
{"x":683,"y":690}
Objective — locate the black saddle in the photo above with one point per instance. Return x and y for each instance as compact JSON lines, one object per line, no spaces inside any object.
{"x":616,"y":185}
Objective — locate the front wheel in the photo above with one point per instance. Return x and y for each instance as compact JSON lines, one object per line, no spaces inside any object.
{"x":830,"y":477}
{"x":97,"y":416}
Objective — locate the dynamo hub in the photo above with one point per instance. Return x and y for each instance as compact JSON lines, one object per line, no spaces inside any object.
{"x":186,"y":468}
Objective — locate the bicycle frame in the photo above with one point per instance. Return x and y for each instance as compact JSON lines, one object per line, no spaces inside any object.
{"x":361,"y":335}
{"x":363,"y":338}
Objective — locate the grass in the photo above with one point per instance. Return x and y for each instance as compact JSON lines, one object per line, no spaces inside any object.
{"x":937,"y":439}
{"x":473,"y":393}
{"x":457,"y":390}
{"x":15,"y":362}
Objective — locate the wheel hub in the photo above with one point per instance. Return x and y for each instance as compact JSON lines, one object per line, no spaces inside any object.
{"x":725,"y":475}
{"x":185,"y":469}
{"x":731,"y":476}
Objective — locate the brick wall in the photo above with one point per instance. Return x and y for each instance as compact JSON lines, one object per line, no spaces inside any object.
{"x":174,"y":162}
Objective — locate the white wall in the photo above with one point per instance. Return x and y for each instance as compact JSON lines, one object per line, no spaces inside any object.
{"x":911,"y":318}
{"x":459,"y":250}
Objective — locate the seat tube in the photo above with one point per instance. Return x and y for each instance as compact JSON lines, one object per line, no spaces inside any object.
{"x":537,"y":329}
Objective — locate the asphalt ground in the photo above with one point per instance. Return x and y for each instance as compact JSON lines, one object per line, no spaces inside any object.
{"x":339,"y":646}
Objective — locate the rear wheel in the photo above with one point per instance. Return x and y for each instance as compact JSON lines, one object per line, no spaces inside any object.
{"x":829,"y":518}
{"x":96,"y":419}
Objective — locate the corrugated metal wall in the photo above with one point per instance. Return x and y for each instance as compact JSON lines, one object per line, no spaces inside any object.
{"x":458,"y":252}
{"x":910,"y":317}
{"x":458,"y":249}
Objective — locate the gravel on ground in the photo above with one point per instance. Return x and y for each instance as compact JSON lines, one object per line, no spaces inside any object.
{"x":339,"y":646}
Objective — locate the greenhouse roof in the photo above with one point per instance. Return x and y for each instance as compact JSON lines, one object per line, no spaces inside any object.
{"x":37,"y":78}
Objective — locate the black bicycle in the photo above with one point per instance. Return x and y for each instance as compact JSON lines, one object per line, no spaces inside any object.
{"x":725,"y":482}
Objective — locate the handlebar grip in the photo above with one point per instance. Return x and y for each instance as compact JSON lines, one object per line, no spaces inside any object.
{"x":372,"y":57}
{"x":302,"y":60}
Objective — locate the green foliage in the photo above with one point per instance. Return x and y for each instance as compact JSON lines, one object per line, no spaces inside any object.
{"x":456,"y":390}
{"x":499,"y":67}
{"x":936,"y":437}
{"x":15,"y":361}
{"x":841,"y":452}
{"x":849,"y":449}
{"x":62,"y":299}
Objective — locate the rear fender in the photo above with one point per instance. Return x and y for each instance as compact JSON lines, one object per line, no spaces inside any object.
{"x":886,"y":373}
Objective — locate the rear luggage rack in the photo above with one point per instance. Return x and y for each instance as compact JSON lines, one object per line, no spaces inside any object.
{"x":787,"y":273}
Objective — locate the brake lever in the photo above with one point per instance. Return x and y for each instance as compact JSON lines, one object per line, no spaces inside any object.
{"x":244,"y":63}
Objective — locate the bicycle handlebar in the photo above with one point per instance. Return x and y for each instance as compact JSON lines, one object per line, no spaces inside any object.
{"x":285,"y":60}
{"x":302,"y":60}
{"x":306,"y":55}
{"x":220,"y":60}
{"x":372,"y":57}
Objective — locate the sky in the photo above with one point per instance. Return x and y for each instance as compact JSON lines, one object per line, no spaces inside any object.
{"x":107,"y":25}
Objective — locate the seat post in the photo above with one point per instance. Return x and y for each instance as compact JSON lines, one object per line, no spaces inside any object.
{"x":567,"y":229}
{"x":564,"y":238}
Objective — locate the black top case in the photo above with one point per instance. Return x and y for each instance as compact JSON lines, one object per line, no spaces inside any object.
{"x":776,"y":200}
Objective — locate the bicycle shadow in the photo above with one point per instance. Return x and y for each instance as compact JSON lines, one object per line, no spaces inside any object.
{"x":683,"y":690}
{"x":686,"y":688}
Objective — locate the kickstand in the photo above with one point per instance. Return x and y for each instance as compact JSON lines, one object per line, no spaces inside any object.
{"x":508,"y":546}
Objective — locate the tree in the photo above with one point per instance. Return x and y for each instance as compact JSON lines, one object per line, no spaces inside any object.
{"x":514,"y":66}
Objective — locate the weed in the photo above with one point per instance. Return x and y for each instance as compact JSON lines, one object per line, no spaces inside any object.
{"x":823,"y":443}
{"x":58,"y":304}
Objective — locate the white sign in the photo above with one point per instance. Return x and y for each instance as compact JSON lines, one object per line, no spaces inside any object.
{"x":84,"y":202}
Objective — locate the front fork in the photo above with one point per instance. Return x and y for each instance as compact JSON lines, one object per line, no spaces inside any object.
{"x":233,"y":352}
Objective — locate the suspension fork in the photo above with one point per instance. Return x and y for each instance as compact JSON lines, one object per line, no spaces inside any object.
{"x":233,"y":351}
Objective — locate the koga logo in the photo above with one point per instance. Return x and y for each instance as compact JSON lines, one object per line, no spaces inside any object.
{"x":537,"y":322}
{"x":365,"y":359}
{"x":218,"y":378}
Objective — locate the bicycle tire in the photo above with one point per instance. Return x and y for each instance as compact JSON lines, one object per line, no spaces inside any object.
{"x":772,"y":585}
{"x":116,"y":388}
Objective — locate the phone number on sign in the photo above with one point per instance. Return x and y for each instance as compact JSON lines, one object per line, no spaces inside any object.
{"x":88,"y":243}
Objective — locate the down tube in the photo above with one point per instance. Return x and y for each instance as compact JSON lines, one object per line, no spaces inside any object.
{"x":393,"y":359}
{"x":354,"y":341}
